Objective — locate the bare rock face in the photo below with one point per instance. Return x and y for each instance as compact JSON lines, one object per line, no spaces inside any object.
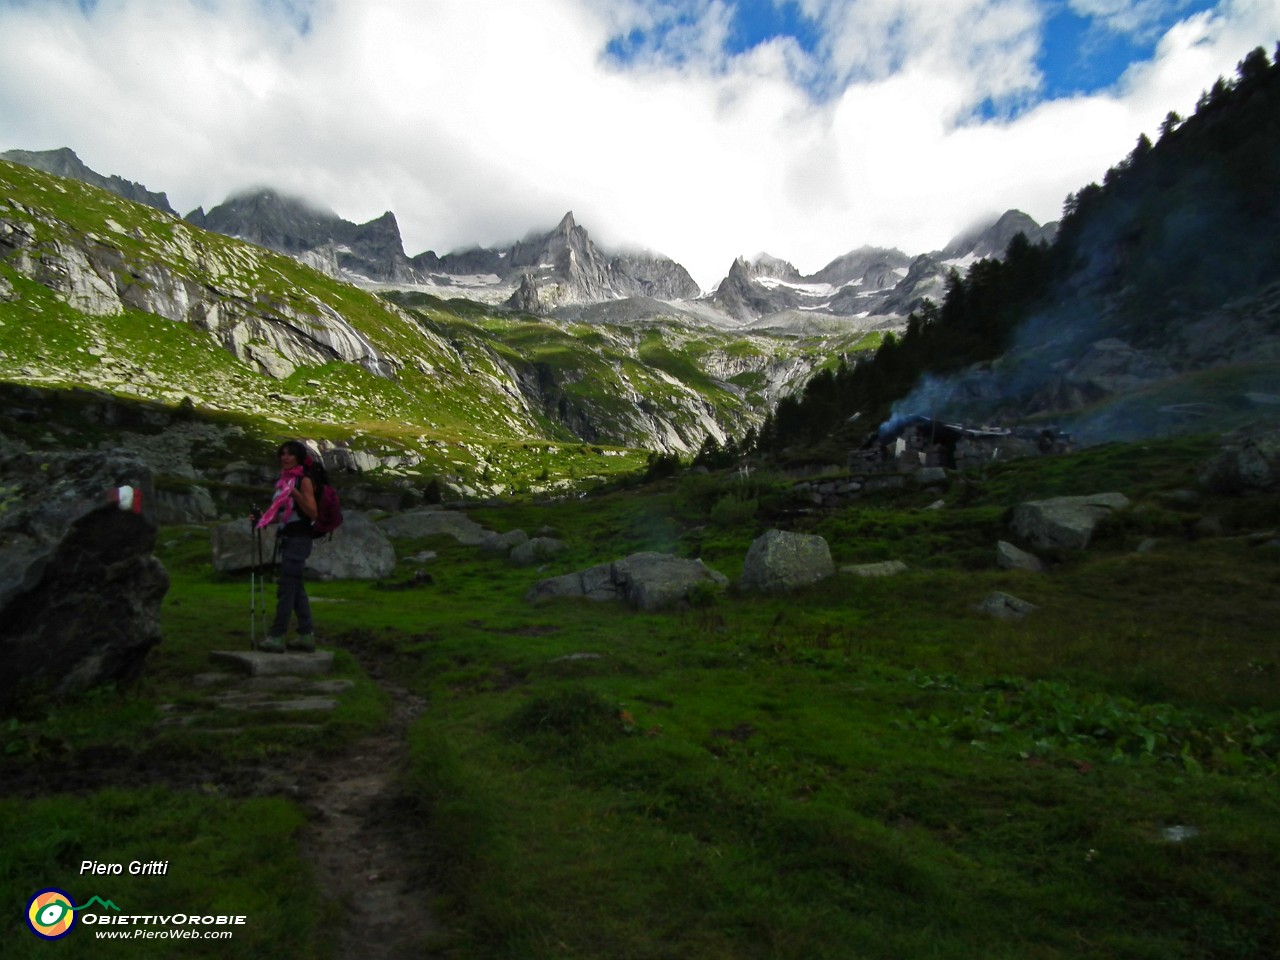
{"x":80,"y":591}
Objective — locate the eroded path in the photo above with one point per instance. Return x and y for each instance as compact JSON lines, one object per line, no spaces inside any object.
{"x":357,"y":841}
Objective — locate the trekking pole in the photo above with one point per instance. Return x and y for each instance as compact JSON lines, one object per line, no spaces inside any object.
{"x":254,"y":572}
{"x":262,"y":587}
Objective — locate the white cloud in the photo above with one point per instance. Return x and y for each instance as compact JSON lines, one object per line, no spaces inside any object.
{"x":478,"y":121}
{"x":1123,"y":16}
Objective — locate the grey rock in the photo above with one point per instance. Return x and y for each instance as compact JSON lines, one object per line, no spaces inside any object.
{"x":266,"y":703}
{"x":779,"y":560}
{"x":258,"y":664}
{"x":434,"y":522}
{"x":358,"y":550}
{"x":538,"y":549}
{"x":886,"y":568}
{"x":1004,"y":606}
{"x":80,"y":591}
{"x":930,"y":475}
{"x":1064,"y":522}
{"x":647,"y":581}
{"x":503,"y":543}
{"x":1249,"y":462}
{"x":1009,"y":557}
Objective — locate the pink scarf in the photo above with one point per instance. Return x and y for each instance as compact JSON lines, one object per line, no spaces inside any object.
{"x":283,"y":502}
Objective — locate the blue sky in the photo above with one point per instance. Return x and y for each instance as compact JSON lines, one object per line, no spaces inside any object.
{"x":703,"y":129}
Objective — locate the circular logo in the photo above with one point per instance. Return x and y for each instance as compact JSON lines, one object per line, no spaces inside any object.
{"x":50,"y":914}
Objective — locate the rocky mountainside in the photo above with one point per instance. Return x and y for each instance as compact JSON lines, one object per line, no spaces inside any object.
{"x":100,"y":292}
{"x":64,"y":163}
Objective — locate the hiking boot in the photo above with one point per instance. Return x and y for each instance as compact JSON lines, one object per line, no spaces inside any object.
{"x":303,"y":642}
{"x":272,"y":645}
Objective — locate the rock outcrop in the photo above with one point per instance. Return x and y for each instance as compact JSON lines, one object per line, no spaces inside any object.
{"x":80,"y":591}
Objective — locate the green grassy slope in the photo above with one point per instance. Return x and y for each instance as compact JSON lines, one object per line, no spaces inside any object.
{"x":102,"y":293}
{"x":866,"y":769}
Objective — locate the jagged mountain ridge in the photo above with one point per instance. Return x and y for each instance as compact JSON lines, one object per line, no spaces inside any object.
{"x":870,"y":282}
{"x":562,"y":272}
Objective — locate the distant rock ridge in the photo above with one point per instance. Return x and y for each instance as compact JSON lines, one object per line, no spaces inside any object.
{"x":63,"y":162}
{"x":868,"y":281}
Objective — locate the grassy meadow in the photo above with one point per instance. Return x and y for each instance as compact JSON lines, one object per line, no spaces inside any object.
{"x":869,"y":768}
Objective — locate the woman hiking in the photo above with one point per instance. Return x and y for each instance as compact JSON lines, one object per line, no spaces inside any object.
{"x":291,"y":511}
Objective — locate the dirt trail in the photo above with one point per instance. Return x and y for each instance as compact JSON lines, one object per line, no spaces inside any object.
{"x":366,"y":861}
{"x":356,"y":841}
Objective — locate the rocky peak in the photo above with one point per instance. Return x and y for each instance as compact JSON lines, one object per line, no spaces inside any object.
{"x":991,"y":239}
{"x":318,"y":237}
{"x":765,"y":265}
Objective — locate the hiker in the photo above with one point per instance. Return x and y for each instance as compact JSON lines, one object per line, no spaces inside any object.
{"x":292,"y":510}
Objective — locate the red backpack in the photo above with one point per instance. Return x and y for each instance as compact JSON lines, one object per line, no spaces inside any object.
{"x":328,"y":512}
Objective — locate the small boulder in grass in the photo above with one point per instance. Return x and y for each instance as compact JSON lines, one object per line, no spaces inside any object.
{"x":1004,"y":606}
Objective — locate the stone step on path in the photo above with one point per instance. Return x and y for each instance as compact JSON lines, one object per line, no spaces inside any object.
{"x":258,"y":682}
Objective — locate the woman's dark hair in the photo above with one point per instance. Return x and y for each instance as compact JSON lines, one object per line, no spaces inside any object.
{"x":311,"y":466}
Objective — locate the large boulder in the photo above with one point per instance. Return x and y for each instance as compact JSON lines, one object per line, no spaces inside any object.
{"x":1249,"y":462}
{"x":358,"y":550}
{"x":647,"y":581}
{"x":779,"y":560}
{"x":433,"y":522}
{"x":1064,"y":522}
{"x":80,"y":591}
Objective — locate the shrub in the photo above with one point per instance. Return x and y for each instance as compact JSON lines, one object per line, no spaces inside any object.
{"x":732,"y":510}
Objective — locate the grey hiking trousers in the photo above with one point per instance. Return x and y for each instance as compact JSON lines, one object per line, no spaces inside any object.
{"x":291,"y":594}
